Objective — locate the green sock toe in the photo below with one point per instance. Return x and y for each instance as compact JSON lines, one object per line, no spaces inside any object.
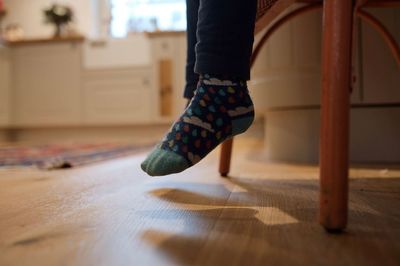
{"x":163,"y":162}
{"x":241,"y":125}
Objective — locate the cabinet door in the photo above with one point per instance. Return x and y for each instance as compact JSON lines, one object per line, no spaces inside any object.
{"x":4,"y":88}
{"x":169,"y":60}
{"x":381,"y":74}
{"x":287,"y":70}
{"x":118,"y":96}
{"x":47,"y":84}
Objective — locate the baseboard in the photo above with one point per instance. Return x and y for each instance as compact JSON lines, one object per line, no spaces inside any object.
{"x":139,"y":133}
{"x":144,"y":133}
{"x":293,"y":135}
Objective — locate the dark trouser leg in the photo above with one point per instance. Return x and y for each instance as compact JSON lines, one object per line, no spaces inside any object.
{"x":220,"y":109}
{"x":192,"y":9}
{"x":225,"y":31}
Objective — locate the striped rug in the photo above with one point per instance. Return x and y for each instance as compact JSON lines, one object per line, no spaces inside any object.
{"x":59,"y":156}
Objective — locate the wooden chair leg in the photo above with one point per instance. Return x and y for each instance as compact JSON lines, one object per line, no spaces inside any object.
{"x":337,"y":25}
{"x":225,"y":157}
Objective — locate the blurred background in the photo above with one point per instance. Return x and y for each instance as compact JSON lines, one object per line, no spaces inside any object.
{"x":114,"y":69}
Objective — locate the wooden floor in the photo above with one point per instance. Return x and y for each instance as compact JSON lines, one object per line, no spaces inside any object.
{"x":264,"y":214}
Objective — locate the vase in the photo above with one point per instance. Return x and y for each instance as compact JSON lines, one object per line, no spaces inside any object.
{"x":59,"y":28}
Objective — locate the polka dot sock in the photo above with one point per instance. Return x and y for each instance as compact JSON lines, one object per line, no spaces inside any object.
{"x":220,"y":109}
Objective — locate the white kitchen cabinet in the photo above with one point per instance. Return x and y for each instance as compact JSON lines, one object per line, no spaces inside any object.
{"x":287,"y":74}
{"x":118,"y":96}
{"x":5,"y":100}
{"x":287,"y":70}
{"x":46,"y":84}
{"x":381,"y":73}
{"x":168,"y":50}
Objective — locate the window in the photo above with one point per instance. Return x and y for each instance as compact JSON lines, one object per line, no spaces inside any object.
{"x":146,"y":15}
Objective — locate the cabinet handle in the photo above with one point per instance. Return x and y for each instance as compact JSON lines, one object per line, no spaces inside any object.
{"x":164,"y":46}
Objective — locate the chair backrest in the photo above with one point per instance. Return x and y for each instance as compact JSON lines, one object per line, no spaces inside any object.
{"x":263,"y":6}
{"x":268,"y":10}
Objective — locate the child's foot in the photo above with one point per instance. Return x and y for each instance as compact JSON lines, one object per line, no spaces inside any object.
{"x":220,"y":109}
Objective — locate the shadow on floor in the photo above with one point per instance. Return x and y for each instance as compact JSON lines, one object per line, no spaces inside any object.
{"x":273,"y":222}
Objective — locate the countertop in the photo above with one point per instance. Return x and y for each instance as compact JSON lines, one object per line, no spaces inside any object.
{"x":29,"y":41}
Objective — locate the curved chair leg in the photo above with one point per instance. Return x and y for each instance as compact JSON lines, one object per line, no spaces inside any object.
{"x":381,"y":29}
{"x":335,"y":109}
{"x":225,"y":157}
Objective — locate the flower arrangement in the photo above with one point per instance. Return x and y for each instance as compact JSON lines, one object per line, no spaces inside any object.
{"x":2,"y":10}
{"x":3,"y":13}
{"x":1,"y":5}
{"x":58,"y":15}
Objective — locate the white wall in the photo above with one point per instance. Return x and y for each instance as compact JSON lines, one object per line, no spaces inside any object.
{"x":90,"y":19}
{"x":29,"y":15}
